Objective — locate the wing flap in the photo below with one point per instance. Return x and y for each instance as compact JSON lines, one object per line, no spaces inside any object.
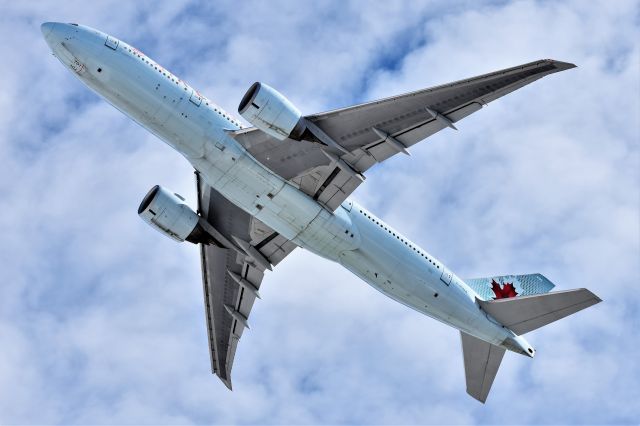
{"x":218,"y":291}
{"x":337,"y":187}
{"x":277,"y":248}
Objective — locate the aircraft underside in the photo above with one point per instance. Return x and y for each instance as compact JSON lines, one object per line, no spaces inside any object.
{"x":286,"y":182}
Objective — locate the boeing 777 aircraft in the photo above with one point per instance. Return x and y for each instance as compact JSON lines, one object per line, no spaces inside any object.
{"x":285,"y":183}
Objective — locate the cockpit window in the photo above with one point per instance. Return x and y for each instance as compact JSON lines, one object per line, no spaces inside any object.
{"x":71,"y":23}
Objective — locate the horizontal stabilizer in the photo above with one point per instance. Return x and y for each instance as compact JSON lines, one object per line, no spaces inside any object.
{"x":509,"y":286}
{"x":481,"y":363}
{"x":524,"y":314}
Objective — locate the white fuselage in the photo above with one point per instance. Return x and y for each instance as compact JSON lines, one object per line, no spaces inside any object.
{"x":198,"y":129}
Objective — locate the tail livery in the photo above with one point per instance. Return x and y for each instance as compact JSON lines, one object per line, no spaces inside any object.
{"x":533,"y":307}
{"x":510,"y":286}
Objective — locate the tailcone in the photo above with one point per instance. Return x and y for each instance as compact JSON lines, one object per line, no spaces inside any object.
{"x":518,"y":345}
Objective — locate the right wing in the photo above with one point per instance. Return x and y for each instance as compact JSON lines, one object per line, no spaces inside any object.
{"x":374,"y":131}
{"x":230,"y":278}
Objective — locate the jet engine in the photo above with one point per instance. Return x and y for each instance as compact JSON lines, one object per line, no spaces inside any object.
{"x":168,"y":213}
{"x":271,"y":112}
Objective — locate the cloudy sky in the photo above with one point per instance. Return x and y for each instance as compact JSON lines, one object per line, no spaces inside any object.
{"x":101,"y":318}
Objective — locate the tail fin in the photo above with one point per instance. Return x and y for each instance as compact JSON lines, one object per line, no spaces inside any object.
{"x":515,"y":285}
{"x":524,"y":314}
{"x":481,"y":363}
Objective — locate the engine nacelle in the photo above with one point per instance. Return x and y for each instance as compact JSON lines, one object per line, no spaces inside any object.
{"x":168,"y":213}
{"x":269,"y":111}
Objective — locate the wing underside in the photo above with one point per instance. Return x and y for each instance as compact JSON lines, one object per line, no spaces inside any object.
{"x":231,"y":278}
{"x":372,"y":132}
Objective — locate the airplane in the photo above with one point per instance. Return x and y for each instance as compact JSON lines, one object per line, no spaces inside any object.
{"x":285,"y":183}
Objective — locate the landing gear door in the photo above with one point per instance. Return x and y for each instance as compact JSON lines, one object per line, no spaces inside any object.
{"x":446,"y":276}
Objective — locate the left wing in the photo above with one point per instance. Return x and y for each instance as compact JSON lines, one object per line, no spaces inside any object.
{"x":374,"y":131}
{"x":230,"y":277}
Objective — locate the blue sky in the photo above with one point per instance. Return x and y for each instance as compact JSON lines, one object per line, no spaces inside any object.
{"x":101,"y":318}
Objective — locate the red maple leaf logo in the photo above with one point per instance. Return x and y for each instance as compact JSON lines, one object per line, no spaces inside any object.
{"x":508,"y":290}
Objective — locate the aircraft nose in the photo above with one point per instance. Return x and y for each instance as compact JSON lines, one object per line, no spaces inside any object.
{"x":53,"y":32}
{"x":47,"y":28}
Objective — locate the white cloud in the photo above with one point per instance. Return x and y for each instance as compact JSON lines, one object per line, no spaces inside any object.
{"x":101,"y":318}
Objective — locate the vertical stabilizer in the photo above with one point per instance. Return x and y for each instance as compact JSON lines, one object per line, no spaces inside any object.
{"x":481,"y":363}
{"x":502,"y":286}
